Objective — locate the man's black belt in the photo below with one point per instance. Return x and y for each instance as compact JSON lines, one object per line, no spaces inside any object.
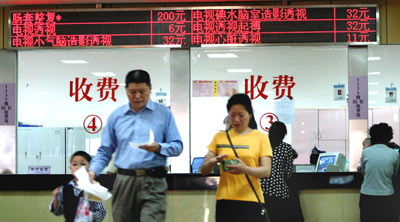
{"x":158,"y":172}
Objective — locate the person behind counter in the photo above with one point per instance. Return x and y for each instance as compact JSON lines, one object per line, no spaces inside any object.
{"x":379,"y":164}
{"x":275,"y":188}
{"x":66,"y":198}
{"x":236,"y":201}
{"x":139,"y":190}
{"x":365,"y":144}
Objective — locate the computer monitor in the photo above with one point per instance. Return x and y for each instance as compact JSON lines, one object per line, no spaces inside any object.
{"x":196,"y":163}
{"x":331,"y":162}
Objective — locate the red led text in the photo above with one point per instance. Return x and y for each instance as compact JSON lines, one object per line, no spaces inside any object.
{"x":39,"y":29}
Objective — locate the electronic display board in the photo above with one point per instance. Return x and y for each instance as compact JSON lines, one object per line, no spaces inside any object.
{"x":193,"y":27}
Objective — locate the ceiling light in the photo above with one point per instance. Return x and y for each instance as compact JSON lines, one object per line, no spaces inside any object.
{"x":374,"y":73}
{"x":103,"y":73}
{"x":239,"y":70}
{"x":222,"y":55}
{"x":74,"y":61}
{"x":374,"y":58}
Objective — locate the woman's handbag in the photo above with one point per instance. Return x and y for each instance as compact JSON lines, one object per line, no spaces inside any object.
{"x":263,"y":210}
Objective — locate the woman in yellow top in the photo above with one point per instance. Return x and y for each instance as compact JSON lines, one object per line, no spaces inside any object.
{"x":236,"y":200}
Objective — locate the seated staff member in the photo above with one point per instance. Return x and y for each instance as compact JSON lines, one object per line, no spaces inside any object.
{"x":236,"y":200}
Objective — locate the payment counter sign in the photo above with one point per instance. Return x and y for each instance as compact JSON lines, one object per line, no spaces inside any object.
{"x":93,"y":124}
{"x":7,"y":103}
{"x":267,"y":120}
{"x":358,"y":97}
{"x":79,"y":89}
{"x":282,"y":84}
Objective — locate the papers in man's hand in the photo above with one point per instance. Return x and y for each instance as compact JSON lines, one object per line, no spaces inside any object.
{"x":93,"y":188}
{"x":150,"y":141}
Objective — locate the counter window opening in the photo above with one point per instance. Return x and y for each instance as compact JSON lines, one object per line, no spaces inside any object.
{"x":313,"y":117}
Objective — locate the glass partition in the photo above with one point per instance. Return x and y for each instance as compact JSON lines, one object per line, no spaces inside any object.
{"x":7,"y":149}
{"x":58,"y":90}
{"x":303,"y":86}
{"x":383,"y":83}
{"x":7,"y":111}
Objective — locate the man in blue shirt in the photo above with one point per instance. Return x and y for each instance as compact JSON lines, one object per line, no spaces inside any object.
{"x":143,"y":134}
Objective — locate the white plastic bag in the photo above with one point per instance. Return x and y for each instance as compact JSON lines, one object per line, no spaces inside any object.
{"x":92,"y":188}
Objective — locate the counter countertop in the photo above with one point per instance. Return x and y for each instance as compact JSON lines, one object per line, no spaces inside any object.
{"x":183,"y":181}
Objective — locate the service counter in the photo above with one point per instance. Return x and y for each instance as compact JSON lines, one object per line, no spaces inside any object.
{"x":324,"y":197}
{"x":332,"y":180}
